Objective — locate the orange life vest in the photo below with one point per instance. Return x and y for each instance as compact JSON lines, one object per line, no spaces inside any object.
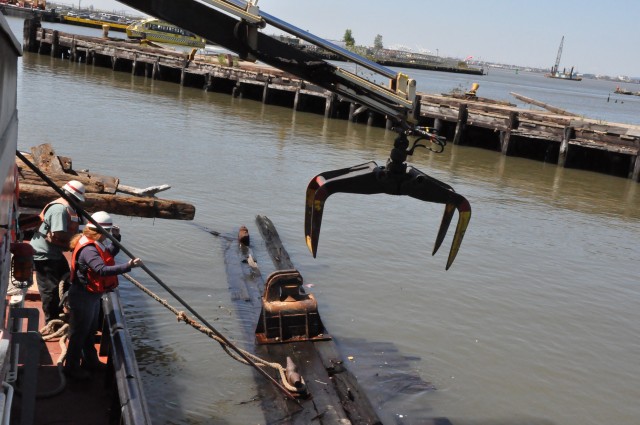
{"x":73,"y":221}
{"x":95,"y":282}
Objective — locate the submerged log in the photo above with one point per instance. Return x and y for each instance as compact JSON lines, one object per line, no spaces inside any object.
{"x":34,"y":196}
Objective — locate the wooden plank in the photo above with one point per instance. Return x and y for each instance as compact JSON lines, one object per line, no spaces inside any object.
{"x":604,"y":137}
{"x":110,"y":183}
{"x":27,"y":176}
{"x":148,"y":191}
{"x":487,"y":121}
{"x":34,"y":196}
{"x":541,"y":104}
{"x":596,"y":144}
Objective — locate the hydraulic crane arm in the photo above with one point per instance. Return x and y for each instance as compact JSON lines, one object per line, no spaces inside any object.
{"x":216,"y":21}
{"x":235,"y":25}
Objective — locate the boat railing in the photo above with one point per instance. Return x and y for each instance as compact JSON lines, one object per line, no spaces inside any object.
{"x":117,"y":345}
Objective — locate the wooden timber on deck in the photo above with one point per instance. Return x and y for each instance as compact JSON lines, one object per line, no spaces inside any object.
{"x":558,"y":137}
{"x":101,"y":191}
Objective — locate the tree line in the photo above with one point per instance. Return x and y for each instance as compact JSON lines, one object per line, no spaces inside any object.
{"x":350,"y":41}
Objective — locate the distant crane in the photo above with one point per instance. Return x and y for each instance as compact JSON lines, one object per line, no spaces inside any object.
{"x":564,"y":75}
{"x":555,"y":68}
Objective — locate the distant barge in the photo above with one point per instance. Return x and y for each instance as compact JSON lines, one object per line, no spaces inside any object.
{"x":430,"y":67}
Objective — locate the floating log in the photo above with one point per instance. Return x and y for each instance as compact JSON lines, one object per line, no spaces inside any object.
{"x":336,"y":396}
{"x":34,"y":196}
{"x":541,"y":104}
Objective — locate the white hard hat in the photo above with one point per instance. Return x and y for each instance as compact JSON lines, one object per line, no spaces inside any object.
{"x":103,"y":219}
{"x":75,"y":188}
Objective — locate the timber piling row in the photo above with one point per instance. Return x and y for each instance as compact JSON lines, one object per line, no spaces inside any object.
{"x":550,"y":136}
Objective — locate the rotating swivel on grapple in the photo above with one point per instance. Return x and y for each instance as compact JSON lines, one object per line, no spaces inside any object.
{"x":395,"y":178}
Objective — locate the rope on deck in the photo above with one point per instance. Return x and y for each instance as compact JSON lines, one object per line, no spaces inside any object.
{"x":59,"y":328}
{"x":182,"y":317}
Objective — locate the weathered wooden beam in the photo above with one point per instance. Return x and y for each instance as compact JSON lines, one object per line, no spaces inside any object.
{"x":461,"y":124}
{"x":606,"y":137}
{"x":541,"y":104}
{"x":110,"y":183}
{"x":635,"y":174}
{"x":608,"y":147}
{"x":26,"y":176}
{"x":329,"y":105}
{"x":505,"y":135}
{"x":265,"y":92}
{"x":564,"y":146}
{"x":149,"y":191}
{"x":33,"y":196}
{"x":543,"y":117}
{"x":44,"y":157}
{"x":491,"y":122}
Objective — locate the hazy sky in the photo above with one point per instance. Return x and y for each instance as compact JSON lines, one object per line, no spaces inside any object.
{"x":601,"y":37}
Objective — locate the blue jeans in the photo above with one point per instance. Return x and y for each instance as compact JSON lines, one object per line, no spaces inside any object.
{"x":85,"y":312}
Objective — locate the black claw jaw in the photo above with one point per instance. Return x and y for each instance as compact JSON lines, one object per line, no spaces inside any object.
{"x":396,"y":178}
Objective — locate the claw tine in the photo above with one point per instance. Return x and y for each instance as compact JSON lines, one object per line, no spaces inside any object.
{"x":312,"y":189}
{"x":444,"y":226}
{"x":316,"y":221}
{"x":463,"y":221}
{"x":308,"y":207}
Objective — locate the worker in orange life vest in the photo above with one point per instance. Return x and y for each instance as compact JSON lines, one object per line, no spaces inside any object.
{"x":93,"y":272}
{"x":60,"y":222}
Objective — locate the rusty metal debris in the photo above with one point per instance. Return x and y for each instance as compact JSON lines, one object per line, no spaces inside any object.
{"x":288,"y":313}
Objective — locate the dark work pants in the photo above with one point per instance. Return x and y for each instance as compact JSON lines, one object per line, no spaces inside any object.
{"x":85,"y":312}
{"x":48,"y":275}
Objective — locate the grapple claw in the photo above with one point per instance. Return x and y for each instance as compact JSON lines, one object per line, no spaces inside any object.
{"x":396,"y":178}
{"x":348,"y":180}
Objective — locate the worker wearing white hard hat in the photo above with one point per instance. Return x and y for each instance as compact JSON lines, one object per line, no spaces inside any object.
{"x":93,"y":272}
{"x":75,"y":188}
{"x":59,"y":223}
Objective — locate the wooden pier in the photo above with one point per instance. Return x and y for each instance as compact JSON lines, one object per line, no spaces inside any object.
{"x":545,"y":135}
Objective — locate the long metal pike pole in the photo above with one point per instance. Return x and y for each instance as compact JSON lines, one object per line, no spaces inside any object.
{"x":82,"y":212}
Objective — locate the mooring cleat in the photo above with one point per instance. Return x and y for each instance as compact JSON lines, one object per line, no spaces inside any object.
{"x":396,"y":178}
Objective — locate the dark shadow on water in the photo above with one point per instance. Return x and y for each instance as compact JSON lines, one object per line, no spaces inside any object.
{"x":392,"y":384}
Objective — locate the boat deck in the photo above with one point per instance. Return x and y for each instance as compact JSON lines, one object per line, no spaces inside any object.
{"x":61,"y":400}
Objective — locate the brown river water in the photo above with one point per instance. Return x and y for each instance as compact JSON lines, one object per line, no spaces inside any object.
{"x":537,"y":321}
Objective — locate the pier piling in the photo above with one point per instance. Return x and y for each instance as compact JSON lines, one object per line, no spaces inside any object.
{"x":612,"y":148}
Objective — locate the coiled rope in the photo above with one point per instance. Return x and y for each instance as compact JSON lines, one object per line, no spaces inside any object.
{"x":182,"y":317}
